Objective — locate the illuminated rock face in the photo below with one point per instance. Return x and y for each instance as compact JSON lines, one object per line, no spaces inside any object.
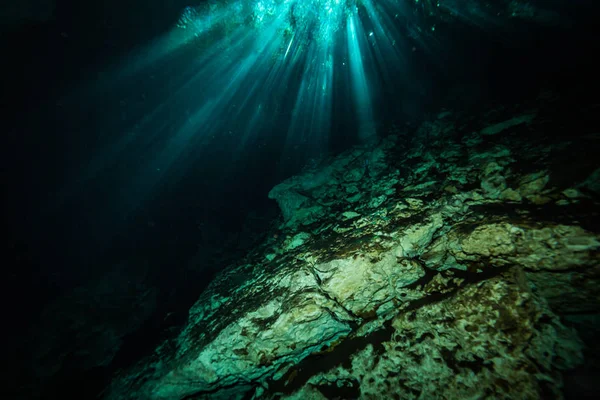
{"x":400,"y":271}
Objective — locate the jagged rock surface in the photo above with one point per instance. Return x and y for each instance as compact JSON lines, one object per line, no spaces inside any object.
{"x":439,"y":266}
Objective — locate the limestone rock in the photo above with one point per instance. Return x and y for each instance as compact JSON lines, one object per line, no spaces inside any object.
{"x":454,"y":270}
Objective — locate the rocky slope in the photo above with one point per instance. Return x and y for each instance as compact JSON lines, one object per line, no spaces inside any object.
{"x":457,"y":261}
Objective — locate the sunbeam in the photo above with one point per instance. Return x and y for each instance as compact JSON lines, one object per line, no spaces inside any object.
{"x":241,"y":75}
{"x":239,"y":69}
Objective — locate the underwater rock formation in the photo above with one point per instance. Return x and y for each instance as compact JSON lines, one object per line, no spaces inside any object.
{"x":451,"y":263}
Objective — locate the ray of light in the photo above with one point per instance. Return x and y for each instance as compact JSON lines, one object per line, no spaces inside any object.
{"x":241,"y":72}
{"x":361,"y":90}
